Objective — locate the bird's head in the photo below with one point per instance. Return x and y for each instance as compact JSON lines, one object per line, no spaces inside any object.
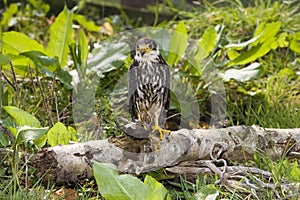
{"x":146,"y":50}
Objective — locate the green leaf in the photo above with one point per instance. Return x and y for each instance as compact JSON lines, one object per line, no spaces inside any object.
{"x":15,"y":43}
{"x":295,"y":172}
{"x":243,"y":44}
{"x":208,"y":192}
{"x":29,"y":134}
{"x":245,"y":74}
{"x":20,"y":63}
{"x":89,"y":25}
{"x":4,"y":141}
{"x":282,"y":40}
{"x":295,"y":43}
{"x":58,"y":134}
{"x":106,"y":57}
{"x":61,"y":35}
{"x":21,"y":117}
{"x":6,"y":58}
{"x":72,"y":133}
{"x":158,"y":191}
{"x":8,"y":14}
{"x":232,"y":54}
{"x":114,"y":186}
{"x":83,"y":48}
{"x":207,"y":43}
{"x":177,"y":44}
{"x":48,"y":66}
{"x":44,"y":63}
{"x":254,"y":53}
{"x":40,"y":142}
{"x":285,"y":73}
{"x":268,"y":31}
{"x":65,"y":77}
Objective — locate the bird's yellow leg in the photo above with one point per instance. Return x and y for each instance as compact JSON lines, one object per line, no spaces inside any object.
{"x":156,"y":127}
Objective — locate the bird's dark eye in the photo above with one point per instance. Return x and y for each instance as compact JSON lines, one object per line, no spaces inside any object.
{"x":150,"y":46}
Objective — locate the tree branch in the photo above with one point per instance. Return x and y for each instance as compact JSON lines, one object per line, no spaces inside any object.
{"x":239,"y":143}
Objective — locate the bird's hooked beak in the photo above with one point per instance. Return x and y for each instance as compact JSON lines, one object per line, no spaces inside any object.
{"x":144,"y":50}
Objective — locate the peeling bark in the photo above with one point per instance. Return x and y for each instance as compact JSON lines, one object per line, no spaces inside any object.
{"x":72,"y":163}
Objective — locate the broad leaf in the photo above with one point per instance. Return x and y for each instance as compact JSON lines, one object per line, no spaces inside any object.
{"x":83,"y":49}
{"x":79,"y":53}
{"x":267,"y":31}
{"x":282,"y":40}
{"x":19,"y":62}
{"x":244,"y":44}
{"x":207,"y":43}
{"x":15,"y":43}
{"x":158,"y":191}
{"x":178,"y":43}
{"x":65,"y":77}
{"x":4,"y":141}
{"x":254,"y":53}
{"x":295,"y":43}
{"x":263,"y":41}
{"x":48,"y":66}
{"x":61,"y":35}
{"x":45,"y":64}
{"x":72,"y":133}
{"x":245,"y":74}
{"x":40,"y":142}
{"x":114,"y":186}
{"x":106,"y":58}
{"x":6,"y":58}
{"x":232,"y":54}
{"x":58,"y":134}
{"x":29,"y":134}
{"x":21,"y":117}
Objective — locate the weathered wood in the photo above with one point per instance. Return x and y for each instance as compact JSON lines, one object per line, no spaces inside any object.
{"x":239,"y":143}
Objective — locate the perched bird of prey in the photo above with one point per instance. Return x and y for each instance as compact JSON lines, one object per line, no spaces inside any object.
{"x":149,"y":86}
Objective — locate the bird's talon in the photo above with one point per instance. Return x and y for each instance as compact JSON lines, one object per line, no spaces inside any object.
{"x":160,"y":130}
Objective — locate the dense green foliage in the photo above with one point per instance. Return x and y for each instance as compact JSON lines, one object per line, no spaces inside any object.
{"x":56,"y":83}
{"x":126,"y":187}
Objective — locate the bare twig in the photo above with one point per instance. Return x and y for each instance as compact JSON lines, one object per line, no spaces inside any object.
{"x":15,"y":82}
{"x":56,"y":106}
{"x":54,"y":95}
{"x":236,"y":178}
{"x":14,"y":77}
{"x":174,"y":115}
{"x":65,"y":113}
{"x":7,"y":80}
{"x":32,"y":82}
{"x":26,"y":174}
{"x":44,"y":101}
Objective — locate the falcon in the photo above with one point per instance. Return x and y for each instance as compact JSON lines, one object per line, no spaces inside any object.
{"x":149,"y":86}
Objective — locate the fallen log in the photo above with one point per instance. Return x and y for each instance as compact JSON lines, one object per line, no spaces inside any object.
{"x":73,"y":163}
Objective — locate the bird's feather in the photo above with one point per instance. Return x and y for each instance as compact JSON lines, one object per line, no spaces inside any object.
{"x":149,"y":88}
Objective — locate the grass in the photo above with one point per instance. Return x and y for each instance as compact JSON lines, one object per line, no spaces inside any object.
{"x":276,"y":104}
